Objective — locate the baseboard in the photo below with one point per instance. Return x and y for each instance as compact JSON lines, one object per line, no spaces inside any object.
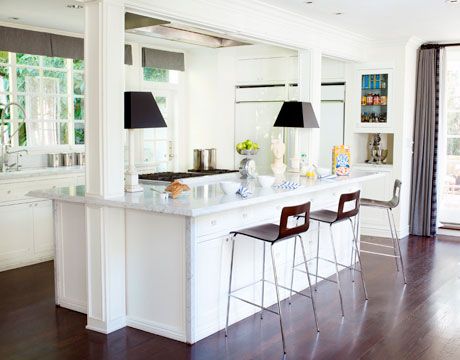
{"x":106,"y":328}
{"x":78,"y":307}
{"x":156,"y":328}
{"x":382,"y":231}
{"x":21,"y":263}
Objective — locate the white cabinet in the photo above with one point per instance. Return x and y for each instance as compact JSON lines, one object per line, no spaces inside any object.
{"x":43,"y":227}
{"x":267,"y":70}
{"x":26,"y":224}
{"x":374,"y":101}
{"x":16,"y":224}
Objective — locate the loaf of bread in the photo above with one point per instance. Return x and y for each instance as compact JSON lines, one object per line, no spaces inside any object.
{"x":176,"y":188}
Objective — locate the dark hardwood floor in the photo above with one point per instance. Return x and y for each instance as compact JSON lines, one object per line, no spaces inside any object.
{"x":418,"y":321}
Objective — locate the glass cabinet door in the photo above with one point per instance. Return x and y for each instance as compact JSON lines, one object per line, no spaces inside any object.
{"x":374,"y":98}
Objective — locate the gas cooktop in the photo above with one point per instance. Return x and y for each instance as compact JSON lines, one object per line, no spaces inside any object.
{"x":171,"y":176}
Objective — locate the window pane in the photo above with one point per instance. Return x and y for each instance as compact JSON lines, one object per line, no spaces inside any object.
{"x":64,"y":133}
{"x":5,"y":99}
{"x":78,"y":84}
{"x":22,"y":134}
{"x":6,"y":132}
{"x":161,"y":151}
{"x":46,"y":133}
{"x":79,"y":133}
{"x":453,"y":146}
{"x":22,"y":74}
{"x":3,"y":56}
{"x":78,"y":64}
{"x":53,"y":62}
{"x":161,"y":102}
{"x":26,"y":59}
{"x":453,"y":123}
{"x":79,"y":108}
{"x":22,"y":102}
{"x":63,"y":108}
{"x":61,"y":86}
{"x":4,"y":78}
{"x":157,"y":75}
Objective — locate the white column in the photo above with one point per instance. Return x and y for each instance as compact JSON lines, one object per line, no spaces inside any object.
{"x":310,"y":90}
{"x":105,"y":227}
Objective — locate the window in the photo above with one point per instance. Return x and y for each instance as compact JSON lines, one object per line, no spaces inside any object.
{"x":51,"y":90}
{"x":161,"y":75}
{"x":158,"y":144}
{"x":450,"y":136}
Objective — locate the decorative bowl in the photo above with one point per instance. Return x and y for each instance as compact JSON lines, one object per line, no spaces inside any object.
{"x":266,"y":181}
{"x":247,"y":152}
{"x":229,"y":187}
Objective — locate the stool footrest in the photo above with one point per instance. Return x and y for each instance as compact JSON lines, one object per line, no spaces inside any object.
{"x":376,"y":244}
{"x":377,"y":253}
{"x":253,"y":304}
{"x":329,"y":261}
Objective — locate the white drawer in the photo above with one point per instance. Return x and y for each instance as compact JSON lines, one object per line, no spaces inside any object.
{"x":18,"y":190}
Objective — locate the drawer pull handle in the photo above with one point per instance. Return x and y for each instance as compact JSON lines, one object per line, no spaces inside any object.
{"x":245,"y":216}
{"x":213,"y":222}
{"x":8,"y":192}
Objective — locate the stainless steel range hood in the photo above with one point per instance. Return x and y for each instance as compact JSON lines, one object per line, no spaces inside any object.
{"x":142,"y":25}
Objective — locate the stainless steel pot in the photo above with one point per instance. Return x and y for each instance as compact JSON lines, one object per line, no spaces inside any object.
{"x":204,"y":159}
{"x":68,"y":159}
{"x":54,"y":160}
{"x":80,"y":159}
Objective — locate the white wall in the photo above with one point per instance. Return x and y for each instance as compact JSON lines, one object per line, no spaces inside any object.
{"x":333,"y":70}
{"x":211,"y":80}
{"x":401,"y":58}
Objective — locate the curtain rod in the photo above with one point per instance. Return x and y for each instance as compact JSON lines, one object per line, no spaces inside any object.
{"x":438,"y":46}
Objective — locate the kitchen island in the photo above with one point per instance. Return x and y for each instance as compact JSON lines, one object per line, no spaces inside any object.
{"x":174,"y":258}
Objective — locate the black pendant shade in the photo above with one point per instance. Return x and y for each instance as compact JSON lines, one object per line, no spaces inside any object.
{"x":296,"y":114}
{"x":141,"y":111}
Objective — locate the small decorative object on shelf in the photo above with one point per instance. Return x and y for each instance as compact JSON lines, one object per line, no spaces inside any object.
{"x":249,"y":149}
{"x":341,"y":160}
{"x":374,"y":98}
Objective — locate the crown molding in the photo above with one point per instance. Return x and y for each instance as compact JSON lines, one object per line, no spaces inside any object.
{"x":260,"y":22}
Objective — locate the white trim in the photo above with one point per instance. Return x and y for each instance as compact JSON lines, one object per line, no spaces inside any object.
{"x":156,"y":328}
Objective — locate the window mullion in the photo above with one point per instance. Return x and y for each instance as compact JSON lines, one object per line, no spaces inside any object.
{"x":70,"y":103}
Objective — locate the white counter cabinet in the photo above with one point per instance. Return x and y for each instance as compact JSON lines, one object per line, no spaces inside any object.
{"x":177,"y":252}
{"x":27,"y":232}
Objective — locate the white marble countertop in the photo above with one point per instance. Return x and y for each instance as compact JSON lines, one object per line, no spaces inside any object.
{"x":204,"y":198}
{"x":44,"y":171}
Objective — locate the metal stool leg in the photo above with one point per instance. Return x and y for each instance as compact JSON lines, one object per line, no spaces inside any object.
{"x":309,"y":282}
{"x":292,"y":269}
{"x":336,"y":270}
{"x":263,"y":281}
{"x":230,"y":284}
{"x":317,"y":257}
{"x":399,"y":248}
{"x":278,"y":298}
{"x":355,"y":244}
{"x":393,"y":239}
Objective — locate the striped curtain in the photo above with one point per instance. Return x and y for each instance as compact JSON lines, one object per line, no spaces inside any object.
{"x":424,"y":207}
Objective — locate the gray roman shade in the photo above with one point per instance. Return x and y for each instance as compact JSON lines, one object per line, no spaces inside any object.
{"x":25,"y":41}
{"x":66,"y":47}
{"x":162,"y":59}
{"x":128,"y":55}
{"x":46,"y":44}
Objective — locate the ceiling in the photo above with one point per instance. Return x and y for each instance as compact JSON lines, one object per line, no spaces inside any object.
{"x":430,"y":20}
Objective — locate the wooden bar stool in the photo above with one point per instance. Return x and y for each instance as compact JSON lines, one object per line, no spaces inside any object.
{"x":388,"y":206}
{"x":334,"y":217}
{"x":272,"y":234}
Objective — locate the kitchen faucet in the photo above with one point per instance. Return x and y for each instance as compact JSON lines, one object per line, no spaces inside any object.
{"x":6,"y":145}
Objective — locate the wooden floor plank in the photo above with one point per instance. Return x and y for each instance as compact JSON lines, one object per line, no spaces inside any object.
{"x":417,"y":321}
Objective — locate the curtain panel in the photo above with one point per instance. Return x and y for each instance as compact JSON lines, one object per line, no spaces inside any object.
{"x":423,"y":210}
